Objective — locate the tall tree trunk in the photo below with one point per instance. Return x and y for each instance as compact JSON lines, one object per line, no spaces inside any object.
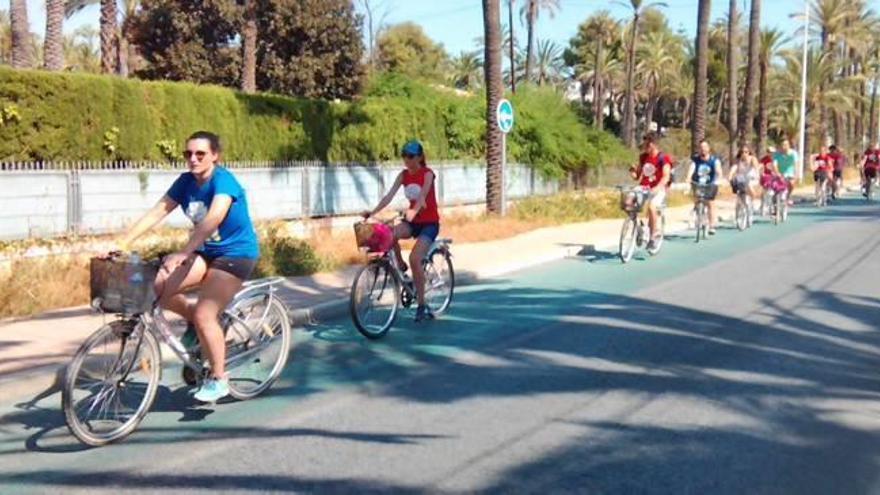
{"x":512,"y":47}
{"x":762,"y":108}
{"x":531,"y":18}
{"x":22,"y":49}
{"x":686,"y":114}
{"x":53,"y":49}
{"x":249,"y":48}
{"x":628,"y":96}
{"x":732,"y":70}
{"x":122,"y":56}
{"x":597,"y":86}
{"x":494,"y":92}
{"x":747,"y":124}
{"x":698,"y":132}
{"x":109,"y":43}
{"x":873,"y":132}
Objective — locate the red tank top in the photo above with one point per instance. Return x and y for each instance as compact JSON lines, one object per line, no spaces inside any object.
{"x":412,"y":188}
{"x":824,"y":162}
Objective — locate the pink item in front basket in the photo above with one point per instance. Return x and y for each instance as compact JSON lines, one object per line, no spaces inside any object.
{"x":381,"y":240}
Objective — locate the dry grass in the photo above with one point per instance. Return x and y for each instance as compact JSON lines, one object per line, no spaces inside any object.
{"x":34,"y":285}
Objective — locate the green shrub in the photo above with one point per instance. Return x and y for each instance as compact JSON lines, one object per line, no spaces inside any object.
{"x":63,"y":116}
{"x":283,"y":255}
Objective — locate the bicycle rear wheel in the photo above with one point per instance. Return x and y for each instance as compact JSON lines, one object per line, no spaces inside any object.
{"x":375,"y":299}
{"x":111,"y":383}
{"x":628,"y":234}
{"x":742,"y":214}
{"x":658,"y":239}
{"x":257,"y":344}
{"x":439,"y":281}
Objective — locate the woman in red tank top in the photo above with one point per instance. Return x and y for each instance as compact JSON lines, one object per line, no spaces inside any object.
{"x":422,"y":217}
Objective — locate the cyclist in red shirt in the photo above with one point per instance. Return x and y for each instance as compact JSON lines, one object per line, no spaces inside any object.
{"x":838,"y":160}
{"x":422,"y":217}
{"x":823,"y":164}
{"x":654,"y":173}
{"x":870,"y":165}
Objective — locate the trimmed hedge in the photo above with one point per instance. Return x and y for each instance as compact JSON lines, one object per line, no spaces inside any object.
{"x":64,"y":116}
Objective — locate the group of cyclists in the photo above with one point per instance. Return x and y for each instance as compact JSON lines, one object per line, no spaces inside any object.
{"x":223,"y":248}
{"x":776,"y":170}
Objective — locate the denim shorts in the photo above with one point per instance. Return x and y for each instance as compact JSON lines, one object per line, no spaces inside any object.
{"x":427,"y":231}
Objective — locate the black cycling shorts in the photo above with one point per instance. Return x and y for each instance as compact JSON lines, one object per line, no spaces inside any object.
{"x":239,"y":267}
{"x":838,"y":174}
{"x":870,"y":172}
{"x":820,"y":175}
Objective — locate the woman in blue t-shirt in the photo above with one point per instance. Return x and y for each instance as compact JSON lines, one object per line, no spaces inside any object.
{"x":220,"y":255}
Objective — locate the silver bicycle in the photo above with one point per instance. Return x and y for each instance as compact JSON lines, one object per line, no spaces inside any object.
{"x":381,"y":288}
{"x":634,"y":233}
{"x":111,"y":383}
{"x":703,"y":193}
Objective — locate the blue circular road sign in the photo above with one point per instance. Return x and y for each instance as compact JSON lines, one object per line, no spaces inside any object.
{"x":504,"y":115}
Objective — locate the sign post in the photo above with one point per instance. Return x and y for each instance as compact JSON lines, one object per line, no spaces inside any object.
{"x":504,"y":118}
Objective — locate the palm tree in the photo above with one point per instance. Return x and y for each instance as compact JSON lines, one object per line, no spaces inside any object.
{"x":604,"y":30}
{"x":747,"y":124}
{"x":109,"y":38}
{"x":5,"y":38}
{"x":466,"y":70}
{"x":531,"y":10}
{"x":548,"y":63}
{"x":638,"y":8}
{"x":656,"y":67}
{"x":22,"y":56}
{"x":772,"y":41}
{"x":249,"y":47}
{"x":53,"y":49}
{"x":837,"y":95}
{"x":732,"y":74}
{"x":81,"y":52}
{"x":511,"y":47}
{"x":116,"y":52}
{"x":698,"y":133}
{"x":494,"y":92}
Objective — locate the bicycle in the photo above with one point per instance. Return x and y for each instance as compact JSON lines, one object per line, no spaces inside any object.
{"x":871,"y":187}
{"x":703,"y":194}
{"x":380,"y":288}
{"x":112,"y":380}
{"x":822,"y":190}
{"x":744,"y":215}
{"x":634,"y":232}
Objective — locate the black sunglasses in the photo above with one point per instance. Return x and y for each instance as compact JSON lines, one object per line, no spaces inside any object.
{"x":200,"y":155}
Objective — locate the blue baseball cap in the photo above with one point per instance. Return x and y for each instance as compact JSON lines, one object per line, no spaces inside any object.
{"x":413,"y":147}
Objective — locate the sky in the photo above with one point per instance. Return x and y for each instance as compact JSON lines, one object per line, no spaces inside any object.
{"x":456,"y":23}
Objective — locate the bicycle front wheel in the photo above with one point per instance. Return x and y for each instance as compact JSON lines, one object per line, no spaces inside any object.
{"x":111,"y":383}
{"x":257,"y":344}
{"x":375,"y":298}
{"x":628,"y":234}
{"x":439,"y":282}
{"x":699,"y":221}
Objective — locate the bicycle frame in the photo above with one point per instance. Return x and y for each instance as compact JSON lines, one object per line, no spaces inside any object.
{"x":156,"y":323}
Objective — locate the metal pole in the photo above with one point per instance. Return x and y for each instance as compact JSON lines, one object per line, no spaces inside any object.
{"x":803,"y":127}
{"x":503,"y":174}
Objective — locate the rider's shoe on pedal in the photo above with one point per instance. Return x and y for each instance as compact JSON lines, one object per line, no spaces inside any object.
{"x":190,"y":338}
{"x":212,"y":390}
{"x":423,"y":313}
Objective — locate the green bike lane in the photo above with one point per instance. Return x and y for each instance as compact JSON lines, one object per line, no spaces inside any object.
{"x":333,"y":368}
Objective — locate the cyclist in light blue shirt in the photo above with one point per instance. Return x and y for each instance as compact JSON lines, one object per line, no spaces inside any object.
{"x":786,"y":160}
{"x":220,"y":255}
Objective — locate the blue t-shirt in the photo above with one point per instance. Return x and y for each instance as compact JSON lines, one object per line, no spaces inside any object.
{"x":235,"y":237}
{"x":704,"y":170}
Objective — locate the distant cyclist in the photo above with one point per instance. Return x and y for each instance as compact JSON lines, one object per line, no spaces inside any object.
{"x":786,"y":162}
{"x":822,"y":166}
{"x":838,"y":160}
{"x":654,"y":173}
{"x":220,"y":255}
{"x":745,"y":173}
{"x":422,"y":220}
{"x":705,"y":170}
{"x":870,"y":165}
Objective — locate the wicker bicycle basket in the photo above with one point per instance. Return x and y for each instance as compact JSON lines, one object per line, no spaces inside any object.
{"x":122,"y":286}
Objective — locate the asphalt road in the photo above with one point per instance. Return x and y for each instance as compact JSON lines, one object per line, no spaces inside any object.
{"x":745,"y":364}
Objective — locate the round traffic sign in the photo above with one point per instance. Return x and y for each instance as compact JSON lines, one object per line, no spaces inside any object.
{"x":504,"y":115}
